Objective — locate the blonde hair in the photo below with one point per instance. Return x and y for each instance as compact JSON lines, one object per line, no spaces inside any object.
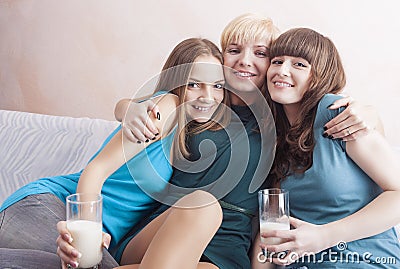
{"x":248,"y":27}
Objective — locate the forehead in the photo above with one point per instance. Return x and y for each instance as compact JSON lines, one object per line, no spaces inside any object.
{"x":207,"y":69}
{"x":250,"y":42}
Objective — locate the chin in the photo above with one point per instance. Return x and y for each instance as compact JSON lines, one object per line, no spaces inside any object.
{"x":201,"y":120}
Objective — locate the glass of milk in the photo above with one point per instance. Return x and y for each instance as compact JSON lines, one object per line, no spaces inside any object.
{"x":274,"y":214}
{"x":84,"y":222}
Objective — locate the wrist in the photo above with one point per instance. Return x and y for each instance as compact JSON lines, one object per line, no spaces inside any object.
{"x":329,"y":236}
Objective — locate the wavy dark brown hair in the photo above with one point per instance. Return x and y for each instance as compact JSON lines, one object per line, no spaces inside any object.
{"x":295,"y":143}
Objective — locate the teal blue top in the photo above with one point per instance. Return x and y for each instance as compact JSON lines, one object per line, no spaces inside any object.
{"x":333,"y":188}
{"x":224,"y":163}
{"x":126,"y":193}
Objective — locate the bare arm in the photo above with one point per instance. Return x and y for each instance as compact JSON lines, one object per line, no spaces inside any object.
{"x":114,"y":154}
{"x":134,"y":115}
{"x":374,"y":155}
{"x":354,"y":122}
{"x":118,"y":150}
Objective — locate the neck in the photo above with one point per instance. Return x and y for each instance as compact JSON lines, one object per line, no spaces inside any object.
{"x":245,"y":99}
{"x":292,"y":111}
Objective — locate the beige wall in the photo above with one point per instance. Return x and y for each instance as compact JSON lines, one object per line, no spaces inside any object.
{"x":77,"y":58}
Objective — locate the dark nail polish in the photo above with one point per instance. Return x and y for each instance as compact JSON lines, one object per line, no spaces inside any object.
{"x":325,"y":135}
{"x":139,"y":142}
{"x":325,"y":128}
{"x":154,"y":138}
{"x":157,"y":134}
{"x":158,"y":116}
{"x":330,"y":136}
{"x":147,"y":141}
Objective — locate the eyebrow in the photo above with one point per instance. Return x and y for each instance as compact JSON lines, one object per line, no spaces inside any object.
{"x":200,"y":80}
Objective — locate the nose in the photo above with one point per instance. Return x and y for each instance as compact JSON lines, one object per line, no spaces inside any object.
{"x":245,"y":58}
{"x":284,"y":69}
{"x":207,"y":93}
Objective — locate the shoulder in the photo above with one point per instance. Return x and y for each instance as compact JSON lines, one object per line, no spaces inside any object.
{"x":167,"y":105}
{"x":323,"y":112}
{"x":328,"y":99}
{"x":166,"y":102}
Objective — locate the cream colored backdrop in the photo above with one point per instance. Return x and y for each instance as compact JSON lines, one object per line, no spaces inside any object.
{"x":77,"y":58}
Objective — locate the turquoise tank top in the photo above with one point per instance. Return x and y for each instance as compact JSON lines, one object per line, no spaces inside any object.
{"x":127,"y":193}
{"x":335,"y":187}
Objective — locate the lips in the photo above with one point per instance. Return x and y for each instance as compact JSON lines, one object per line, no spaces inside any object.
{"x":282,"y":84}
{"x":203,"y":108}
{"x":244,"y":74}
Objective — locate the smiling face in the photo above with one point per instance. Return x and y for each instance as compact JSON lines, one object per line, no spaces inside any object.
{"x":205,"y":88}
{"x":248,"y":63}
{"x":288,"y":78}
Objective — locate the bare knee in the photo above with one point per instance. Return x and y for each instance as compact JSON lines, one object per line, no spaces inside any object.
{"x":201,"y":207}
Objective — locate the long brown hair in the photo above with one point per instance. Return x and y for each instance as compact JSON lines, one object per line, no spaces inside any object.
{"x":295,"y":143}
{"x":174,"y":77}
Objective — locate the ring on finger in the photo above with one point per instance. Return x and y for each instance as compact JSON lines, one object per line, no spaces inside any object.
{"x":348,"y":131}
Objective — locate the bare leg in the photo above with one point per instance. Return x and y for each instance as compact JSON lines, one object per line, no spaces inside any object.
{"x":178,"y":237}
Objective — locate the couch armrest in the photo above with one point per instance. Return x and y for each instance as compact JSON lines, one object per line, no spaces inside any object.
{"x":35,"y":146}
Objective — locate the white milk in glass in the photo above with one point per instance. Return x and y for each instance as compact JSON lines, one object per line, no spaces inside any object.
{"x":266,"y":226}
{"x":87,"y":239}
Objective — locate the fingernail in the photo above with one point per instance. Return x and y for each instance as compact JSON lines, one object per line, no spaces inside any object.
{"x":74,"y":264}
{"x":147,"y":141}
{"x":105,"y":245}
{"x":76,"y":253}
{"x":154,"y":138}
{"x":325,"y":128}
{"x":325,"y":135}
{"x":68,"y":238}
{"x":157,"y":134}
{"x":139,"y":142}
{"x":330,"y":136}
{"x":158,"y":116}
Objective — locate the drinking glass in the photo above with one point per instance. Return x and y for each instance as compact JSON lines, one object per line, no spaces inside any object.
{"x":274,"y":213}
{"x":84,"y":222}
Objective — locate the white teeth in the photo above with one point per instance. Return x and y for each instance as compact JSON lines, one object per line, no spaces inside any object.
{"x":283,"y":84}
{"x":201,"y":108}
{"x":244,"y":74}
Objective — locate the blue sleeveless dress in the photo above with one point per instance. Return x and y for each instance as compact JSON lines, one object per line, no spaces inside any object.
{"x":127,"y":193}
{"x":334,"y":188}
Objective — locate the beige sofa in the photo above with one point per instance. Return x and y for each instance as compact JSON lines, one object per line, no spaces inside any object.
{"x":34,"y":146}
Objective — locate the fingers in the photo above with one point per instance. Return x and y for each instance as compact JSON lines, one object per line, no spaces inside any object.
{"x":138,"y":126}
{"x":151,"y":106}
{"x":65,"y":250}
{"x":345,"y":101}
{"x":138,"y":132}
{"x":106,"y":240}
{"x":295,"y":222}
{"x":347,"y":126}
{"x":347,"y":114}
{"x":67,"y":253}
